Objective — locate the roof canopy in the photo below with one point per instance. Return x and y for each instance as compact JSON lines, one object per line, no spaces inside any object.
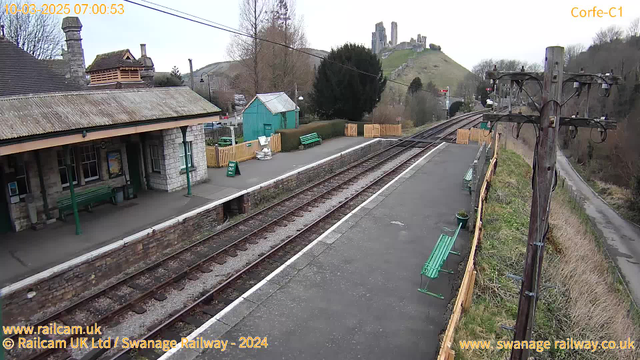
{"x":114,"y":60}
{"x":31,"y":115}
{"x":277,"y":102}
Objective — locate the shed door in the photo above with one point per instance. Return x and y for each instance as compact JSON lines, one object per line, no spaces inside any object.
{"x":268,"y":130}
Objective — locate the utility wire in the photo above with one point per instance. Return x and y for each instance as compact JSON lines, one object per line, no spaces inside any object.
{"x":229,"y":29}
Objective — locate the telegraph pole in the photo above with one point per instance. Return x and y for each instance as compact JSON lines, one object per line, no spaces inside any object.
{"x":544,"y":168}
{"x":543,"y":179}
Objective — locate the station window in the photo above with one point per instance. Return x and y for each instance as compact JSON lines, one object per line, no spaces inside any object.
{"x":89,"y":161}
{"x":156,"y":157}
{"x":64,"y":179}
{"x":189,"y":155}
{"x":21,"y":179}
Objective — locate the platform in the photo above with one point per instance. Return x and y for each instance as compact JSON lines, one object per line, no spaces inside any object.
{"x":353,"y":292}
{"x":28,"y":252}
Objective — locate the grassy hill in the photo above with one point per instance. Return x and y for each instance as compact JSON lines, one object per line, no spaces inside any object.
{"x":429,"y":65}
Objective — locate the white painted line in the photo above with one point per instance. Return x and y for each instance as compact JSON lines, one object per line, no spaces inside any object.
{"x":257,"y":286}
{"x":143,"y":233}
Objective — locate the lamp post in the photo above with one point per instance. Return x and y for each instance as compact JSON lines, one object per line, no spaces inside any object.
{"x":208,"y":83}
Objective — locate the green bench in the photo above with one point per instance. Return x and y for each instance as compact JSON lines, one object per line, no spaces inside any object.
{"x":224,"y":141}
{"x":85,"y":199}
{"x":437,"y":259}
{"x":310,"y":139}
{"x":466,"y":181}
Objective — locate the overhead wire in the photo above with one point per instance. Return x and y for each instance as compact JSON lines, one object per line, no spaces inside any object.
{"x":202,"y":21}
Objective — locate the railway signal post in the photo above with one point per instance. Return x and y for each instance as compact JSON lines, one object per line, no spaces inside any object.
{"x":544,"y":167}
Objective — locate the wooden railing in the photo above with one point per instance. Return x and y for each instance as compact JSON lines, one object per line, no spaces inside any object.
{"x":220,"y":156}
{"x":465,"y":293}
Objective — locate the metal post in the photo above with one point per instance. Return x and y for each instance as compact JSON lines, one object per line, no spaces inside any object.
{"x":543,"y":178}
{"x":67,"y":159}
{"x":186,"y":157}
{"x":233,"y":135}
{"x":191,"y":74}
{"x":296,"y":100}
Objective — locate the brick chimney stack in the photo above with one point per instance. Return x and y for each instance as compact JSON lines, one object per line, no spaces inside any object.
{"x":149,"y":70}
{"x":74,"y":56}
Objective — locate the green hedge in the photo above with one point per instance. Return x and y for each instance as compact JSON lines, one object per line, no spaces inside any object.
{"x":325,"y":129}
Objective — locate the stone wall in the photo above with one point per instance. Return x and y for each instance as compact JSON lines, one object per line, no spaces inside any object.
{"x":172,"y":142}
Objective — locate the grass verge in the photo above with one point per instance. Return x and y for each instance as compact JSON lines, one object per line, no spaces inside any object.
{"x":615,"y":196}
{"x":587,"y":301}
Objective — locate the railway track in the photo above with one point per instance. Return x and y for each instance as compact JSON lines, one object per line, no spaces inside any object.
{"x":173,"y":272}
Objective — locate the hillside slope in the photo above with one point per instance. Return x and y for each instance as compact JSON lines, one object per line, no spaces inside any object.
{"x":231,"y":68}
{"x":429,"y":65}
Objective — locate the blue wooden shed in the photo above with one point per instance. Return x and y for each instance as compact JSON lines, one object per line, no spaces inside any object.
{"x":267,"y":113}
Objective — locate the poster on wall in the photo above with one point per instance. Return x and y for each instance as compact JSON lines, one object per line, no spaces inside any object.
{"x":114,"y":162}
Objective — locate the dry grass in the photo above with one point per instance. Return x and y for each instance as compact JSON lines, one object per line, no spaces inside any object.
{"x":587,"y":301}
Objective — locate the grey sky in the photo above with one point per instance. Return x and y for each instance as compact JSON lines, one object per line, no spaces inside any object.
{"x":468,"y":31}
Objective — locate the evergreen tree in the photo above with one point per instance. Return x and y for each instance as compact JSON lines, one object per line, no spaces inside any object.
{"x":415,"y":86}
{"x":343,"y":92}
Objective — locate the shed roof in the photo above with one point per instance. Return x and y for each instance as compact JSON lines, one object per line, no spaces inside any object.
{"x":114,"y":60}
{"x":277,"y":102}
{"x":31,"y":115}
{"x":21,"y":73}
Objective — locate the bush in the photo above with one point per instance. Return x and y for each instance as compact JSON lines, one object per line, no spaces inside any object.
{"x":325,"y":129}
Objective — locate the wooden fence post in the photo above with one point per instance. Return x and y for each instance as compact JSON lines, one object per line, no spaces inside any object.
{"x":469,"y":296}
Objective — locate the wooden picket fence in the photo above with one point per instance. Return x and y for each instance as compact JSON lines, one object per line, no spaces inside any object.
{"x":220,"y":156}
{"x":351,"y":130}
{"x":465,"y":293}
{"x":463,"y":136}
{"x":377,"y":130}
{"x":479,"y":135}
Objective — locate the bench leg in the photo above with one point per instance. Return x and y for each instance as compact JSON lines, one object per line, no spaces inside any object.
{"x":425,"y":291}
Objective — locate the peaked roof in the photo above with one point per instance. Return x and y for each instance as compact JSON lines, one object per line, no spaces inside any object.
{"x":277,"y":102}
{"x":33,"y":115}
{"x":113,"y":60}
{"x":21,"y":73}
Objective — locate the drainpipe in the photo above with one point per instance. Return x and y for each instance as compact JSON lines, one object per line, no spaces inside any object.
{"x":186,"y":158}
{"x":67,"y":158}
{"x":43,"y":187}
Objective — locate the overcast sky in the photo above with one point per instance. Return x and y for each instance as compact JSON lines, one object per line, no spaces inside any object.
{"x":468,"y":31}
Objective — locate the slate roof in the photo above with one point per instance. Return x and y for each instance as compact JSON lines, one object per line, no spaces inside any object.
{"x":21,"y":73}
{"x":113,"y":60}
{"x":32,"y":115}
{"x":277,"y":102}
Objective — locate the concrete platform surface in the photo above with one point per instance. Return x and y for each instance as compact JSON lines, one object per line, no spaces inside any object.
{"x":353,"y":294}
{"x":29,"y":252}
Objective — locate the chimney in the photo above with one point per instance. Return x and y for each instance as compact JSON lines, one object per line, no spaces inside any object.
{"x":149,"y":70}
{"x":74,"y":56}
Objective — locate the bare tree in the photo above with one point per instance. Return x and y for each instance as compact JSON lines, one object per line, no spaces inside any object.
{"x":285,"y":67}
{"x":247,"y":50}
{"x":608,"y":35}
{"x":38,"y":34}
{"x":634,"y":28}
{"x":571,"y":52}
